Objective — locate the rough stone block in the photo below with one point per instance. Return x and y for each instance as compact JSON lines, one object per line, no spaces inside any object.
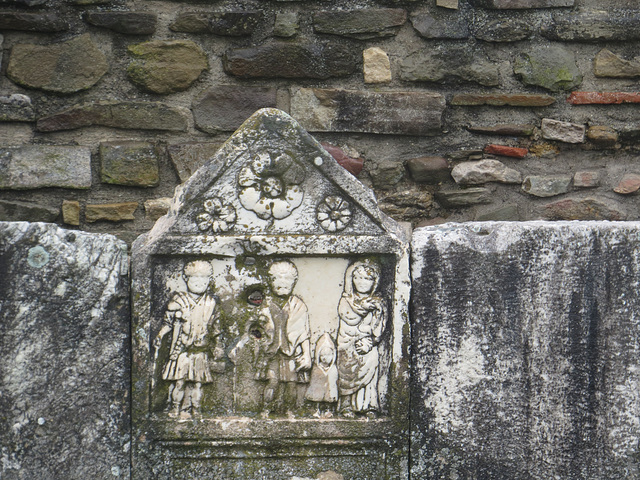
{"x":189,"y":157}
{"x":166,"y":66}
{"x":288,"y":60}
{"x":522,"y":4}
{"x":608,"y":64}
{"x":553,"y":68}
{"x":16,"y":108}
{"x":65,"y":347}
{"x":586,"y":179}
{"x":363,"y":24}
{"x":41,"y":166}
{"x":590,"y":26}
{"x":27,"y":212}
{"x":584,"y":209}
{"x":563,"y":131}
{"x":127,"y":115}
{"x":525,"y":359}
{"x":455,"y":63}
{"x":33,"y":22}
{"x":446,"y":25}
{"x":463,"y":197}
{"x":630,"y":183}
{"x":65,"y":67}
{"x":230,"y":24}
{"x":386,"y":174}
{"x":286,"y":25}
{"x":432,"y":170}
{"x":133,"y":23}
{"x":71,"y":212}
{"x":129,"y":163}
{"x":225,"y":107}
{"x":376,"y":67}
{"x":546,"y":185}
{"x":110,"y":212}
{"x":484,"y":171}
{"x":502,"y":99}
{"x":335,"y":110}
{"x":602,"y":135}
{"x":603,"y":98}
{"x":504,"y":30}
{"x":453,"y":4}
{"x":156,"y":207}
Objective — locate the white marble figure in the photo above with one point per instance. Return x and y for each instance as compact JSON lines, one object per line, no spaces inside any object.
{"x":362,"y":322}
{"x":287,"y":350}
{"x":191,"y":317}
{"x":323,"y":384}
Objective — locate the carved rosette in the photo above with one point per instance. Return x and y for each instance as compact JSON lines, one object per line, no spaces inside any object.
{"x":333,"y":213}
{"x":218,"y":216}
{"x":270,"y":186}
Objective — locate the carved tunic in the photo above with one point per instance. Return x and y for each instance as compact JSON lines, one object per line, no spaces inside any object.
{"x":358,"y":372}
{"x":323,"y":386}
{"x":189,"y":353}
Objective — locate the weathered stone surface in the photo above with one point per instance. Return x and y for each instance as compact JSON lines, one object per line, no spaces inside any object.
{"x":584,"y":209}
{"x":290,"y":60}
{"x":64,"y":67}
{"x":544,"y":150}
{"x":127,"y":115}
{"x":525,"y":360}
{"x":350,"y":164}
{"x":502,"y":99}
{"x":546,"y":185}
{"x":603,"y":98}
{"x":34,"y":22}
{"x":135,"y":23}
{"x":458,"y":63}
{"x":509,"y":129}
{"x":594,"y":26}
{"x":446,"y":25}
{"x":453,"y":4}
{"x":188,"y":157}
{"x":464,"y":197}
{"x":225,"y":107}
{"x":484,"y":171}
{"x":602,"y":135}
{"x":286,"y":24}
{"x":506,"y":151}
{"x":403,"y":113}
{"x":431,"y":170}
{"x":520,"y":4}
{"x":40,"y":166}
{"x":270,"y":191}
{"x":27,"y":212}
{"x":110,"y":212}
{"x":504,"y":30}
{"x":156,"y":207}
{"x":26,"y":3}
{"x":364,"y":23}
{"x":630,"y":183}
{"x":508,"y":213}
{"x":553,"y":68}
{"x":65,"y":347}
{"x":16,"y":108}
{"x":386,"y":174}
{"x":586,"y":179}
{"x":562,"y":131}
{"x":166,"y":66}
{"x":608,"y":64}
{"x":71,"y":212}
{"x":129,"y":163}
{"x":376,"y":66}
{"x":230,"y":24}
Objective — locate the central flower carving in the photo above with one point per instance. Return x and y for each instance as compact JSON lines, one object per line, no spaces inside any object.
{"x":270,"y":185}
{"x":218,"y":216}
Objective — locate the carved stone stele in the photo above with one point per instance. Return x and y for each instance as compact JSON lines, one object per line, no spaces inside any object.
{"x":270,"y":329}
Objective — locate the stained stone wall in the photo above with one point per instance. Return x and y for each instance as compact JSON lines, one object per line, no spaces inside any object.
{"x":450,"y":109}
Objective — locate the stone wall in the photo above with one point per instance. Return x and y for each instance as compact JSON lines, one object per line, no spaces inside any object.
{"x":459,"y":109}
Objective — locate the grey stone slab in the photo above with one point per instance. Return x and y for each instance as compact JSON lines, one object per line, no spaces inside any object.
{"x":363,"y":23}
{"x":525,"y":341}
{"x":16,"y":107}
{"x":337,"y":110}
{"x":270,"y":316}
{"x":39,"y":166}
{"x":594,"y":26}
{"x":64,"y":341}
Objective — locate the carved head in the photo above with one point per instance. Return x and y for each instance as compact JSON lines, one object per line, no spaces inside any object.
{"x":283,"y":276}
{"x":361,"y":278}
{"x":198,"y":275}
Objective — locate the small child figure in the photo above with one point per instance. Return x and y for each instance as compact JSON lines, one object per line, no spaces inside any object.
{"x":323,"y":386}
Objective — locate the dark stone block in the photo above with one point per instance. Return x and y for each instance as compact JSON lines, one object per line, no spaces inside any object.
{"x":16,"y":108}
{"x":11,"y":211}
{"x":129,"y":163}
{"x":615,"y":25}
{"x":33,"y":22}
{"x":135,"y":23}
{"x":289,"y":60}
{"x":366,"y":23}
{"x":230,"y":24}
{"x":447,"y":25}
{"x":520,"y":4}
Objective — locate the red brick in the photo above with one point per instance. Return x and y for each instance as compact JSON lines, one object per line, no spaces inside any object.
{"x":512,"y":100}
{"x":350,"y":164}
{"x":506,"y":151}
{"x":603,"y":98}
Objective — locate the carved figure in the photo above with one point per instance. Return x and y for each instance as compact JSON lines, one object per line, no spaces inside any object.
{"x":323,"y":385}
{"x":362,"y":322}
{"x":192,"y":320}
{"x":286,"y":359}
